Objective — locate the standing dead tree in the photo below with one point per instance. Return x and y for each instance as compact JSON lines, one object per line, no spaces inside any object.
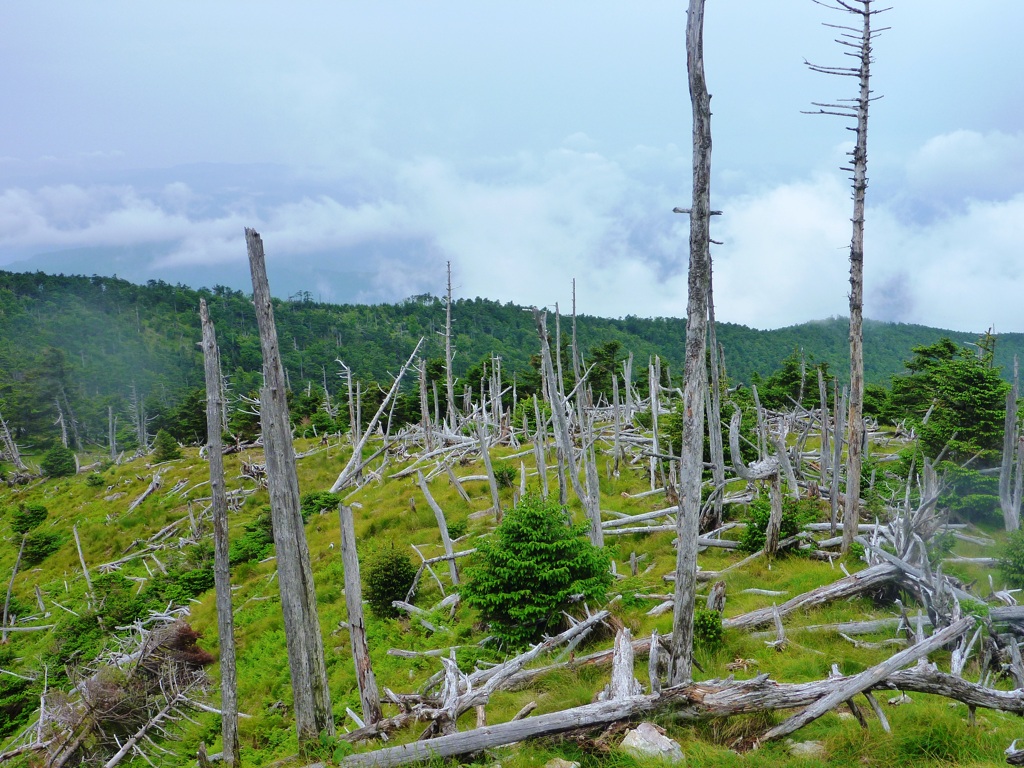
{"x":1010,"y":481}
{"x":691,"y":455}
{"x":312,"y":699}
{"x":449,"y":379}
{"x":860,"y":40}
{"x":221,"y":566}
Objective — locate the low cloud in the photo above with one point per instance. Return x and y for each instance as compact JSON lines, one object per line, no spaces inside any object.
{"x":520,"y":228}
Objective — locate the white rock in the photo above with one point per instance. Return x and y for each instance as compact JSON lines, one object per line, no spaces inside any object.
{"x":558,"y":762}
{"x":810,"y":749}
{"x":646,"y":740}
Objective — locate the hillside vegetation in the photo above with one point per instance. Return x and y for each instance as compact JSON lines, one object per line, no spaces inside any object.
{"x":144,"y":571}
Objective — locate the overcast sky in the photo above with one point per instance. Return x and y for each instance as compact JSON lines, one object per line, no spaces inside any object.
{"x":529,"y":143}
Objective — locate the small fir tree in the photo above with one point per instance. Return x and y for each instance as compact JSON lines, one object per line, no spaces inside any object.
{"x":165,"y":447}
{"x":534,"y":567}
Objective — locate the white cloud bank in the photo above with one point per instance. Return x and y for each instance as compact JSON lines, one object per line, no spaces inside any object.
{"x":521,"y":228}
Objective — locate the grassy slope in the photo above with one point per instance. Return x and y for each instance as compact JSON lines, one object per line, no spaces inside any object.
{"x":926,"y":731}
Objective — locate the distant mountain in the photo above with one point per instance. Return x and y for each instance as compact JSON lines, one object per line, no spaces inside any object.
{"x":86,"y":347}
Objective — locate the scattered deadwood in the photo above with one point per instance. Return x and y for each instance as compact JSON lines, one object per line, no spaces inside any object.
{"x":856,"y":584}
{"x":694,"y":701}
{"x":153,"y":485}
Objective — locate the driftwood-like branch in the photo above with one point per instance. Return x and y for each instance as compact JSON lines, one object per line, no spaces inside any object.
{"x":711,"y":698}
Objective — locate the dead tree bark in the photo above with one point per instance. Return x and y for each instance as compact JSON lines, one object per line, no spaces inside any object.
{"x":312,"y":700}
{"x":691,"y":456}
{"x":449,"y":379}
{"x":442,"y":525}
{"x":365,"y":679}
{"x":868,"y":678}
{"x":714,"y":415}
{"x":859,"y":112}
{"x":1007,"y":493}
{"x":221,"y":566}
{"x":10,"y":447}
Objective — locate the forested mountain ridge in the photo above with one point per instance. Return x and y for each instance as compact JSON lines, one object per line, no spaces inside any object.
{"x":80,"y":348}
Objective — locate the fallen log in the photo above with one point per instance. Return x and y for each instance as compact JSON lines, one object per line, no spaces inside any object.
{"x":863,"y":581}
{"x":694,"y":701}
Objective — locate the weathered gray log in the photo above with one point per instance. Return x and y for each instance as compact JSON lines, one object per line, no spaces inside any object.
{"x":153,"y":485}
{"x":81,"y":559}
{"x":365,"y":679}
{"x":712,"y":698}
{"x":442,"y":525}
{"x":221,"y":557}
{"x":485,"y":454}
{"x":855,"y":584}
{"x":312,"y":699}
{"x":868,"y":678}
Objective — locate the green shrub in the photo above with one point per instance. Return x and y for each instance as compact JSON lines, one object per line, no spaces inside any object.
{"x":165,"y":447}
{"x":95,"y":480}
{"x":116,"y":599}
{"x":27,"y":516}
{"x":457,"y":528}
{"x":524,"y":409}
{"x":58,"y":462}
{"x":795,"y":514}
{"x":315,"y":502}
{"x":387,"y":576}
{"x":505,"y":475}
{"x":39,"y":546}
{"x":257,"y":541}
{"x":644,"y":419}
{"x":1011,"y":560}
{"x":534,"y":567}
{"x":707,"y":628}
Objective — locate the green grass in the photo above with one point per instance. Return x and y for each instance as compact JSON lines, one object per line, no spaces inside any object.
{"x":929,"y":731}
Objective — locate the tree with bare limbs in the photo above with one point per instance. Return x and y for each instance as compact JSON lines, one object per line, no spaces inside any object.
{"x":691,"y":455}
{"x":859,"y":39}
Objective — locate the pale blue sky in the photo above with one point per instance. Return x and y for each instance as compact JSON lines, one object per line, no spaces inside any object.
{"x":528,"y":143}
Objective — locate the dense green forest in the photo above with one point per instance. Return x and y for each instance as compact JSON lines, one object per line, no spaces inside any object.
{"x":76,"y":350}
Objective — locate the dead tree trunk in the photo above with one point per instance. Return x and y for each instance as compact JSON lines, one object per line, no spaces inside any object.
{"x":10,"y":447}
{"x":221,"y":566}
{"x":859,"y":112}
{"x":1008,"y":495}
{"x":691,"y":456}
{"x":442,"y":525}
{"x":449,"y":379}
{"x":714,"y":416}
{"x":365,"y":679}
{"x":312,"y":699}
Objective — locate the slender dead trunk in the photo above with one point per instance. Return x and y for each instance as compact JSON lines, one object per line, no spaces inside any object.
{"x":365,"y":679}
{"x":1007,"y":494}
{"x":449,"y":379}
{"x":691,"y":461}
{"x":859,"y":112}
{"x":442,"y":525}
{"x":312,"y":700}
{"x":221,"y":565}
{"x":714,"y":414}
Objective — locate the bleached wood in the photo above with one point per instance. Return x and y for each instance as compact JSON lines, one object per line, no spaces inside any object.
{"x":442,"y":525}
{"x":10,"y":588}
{"x":312,"y":701}
{"x":868,"y":678}
{"x":366,"y":682}
{"x":221,"y":545}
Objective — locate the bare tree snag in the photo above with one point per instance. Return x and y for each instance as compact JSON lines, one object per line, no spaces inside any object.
{"x":355,"y":462}
{"x":10,"y":447}
{"x":449,"y":379}
{"x":365,"y":679}
{"x":485,"y":454}
{"x":859,"y":112}
{"x":312,"y":700}
{"x":442,"y":524}
{"x":85,"y":568}
{"x":221,"y":565}
{"x":691,"y":456}
{"x":714,"y":417}
{"x":1009,"y":496}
